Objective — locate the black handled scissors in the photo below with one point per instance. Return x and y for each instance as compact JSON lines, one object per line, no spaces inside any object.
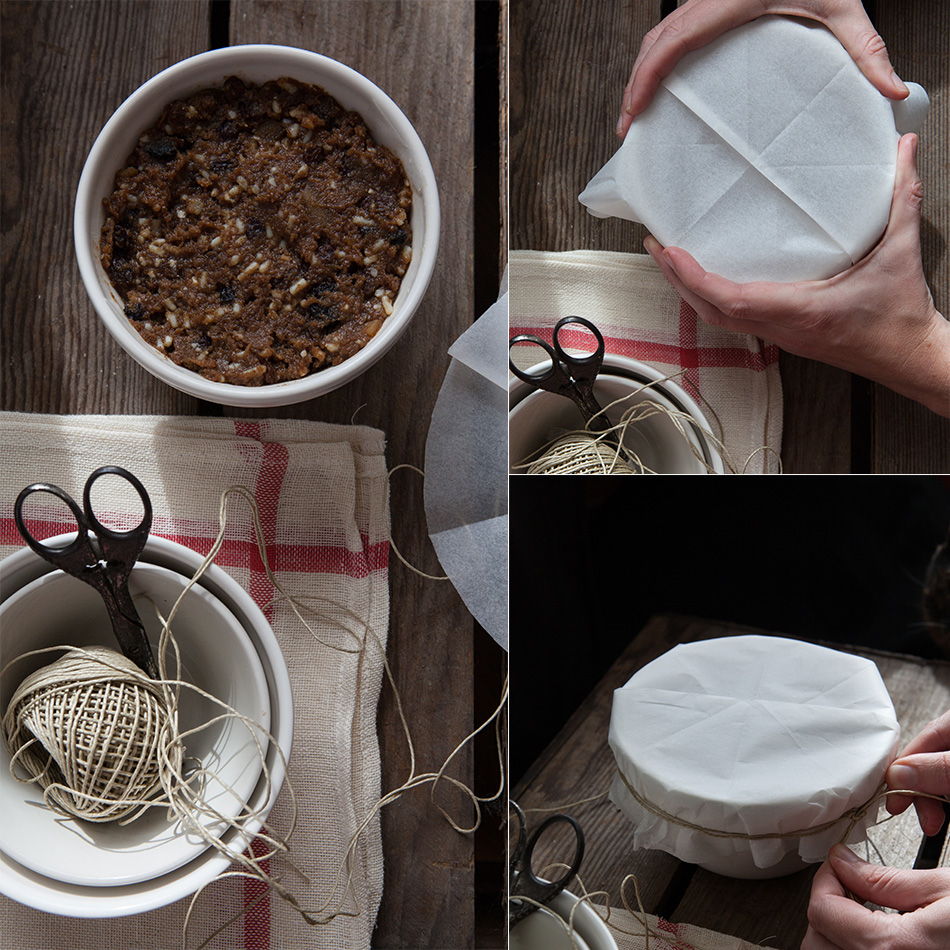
{"x":523,"y":882}
{"x":106,"y":569}
{"x":570,"y":376}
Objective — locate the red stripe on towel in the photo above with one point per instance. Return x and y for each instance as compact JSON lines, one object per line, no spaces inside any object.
{"x":726,"y":357}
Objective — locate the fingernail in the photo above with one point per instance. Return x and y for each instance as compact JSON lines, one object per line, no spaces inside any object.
{"x":899,"y":83}
{"x":902,"y":776}
{"x":842,"y":853}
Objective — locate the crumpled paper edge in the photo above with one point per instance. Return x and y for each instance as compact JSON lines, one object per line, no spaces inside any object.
{"x":466,"y":465}
{"x":652,"y":831}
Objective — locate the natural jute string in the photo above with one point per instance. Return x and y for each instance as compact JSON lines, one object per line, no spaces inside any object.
{"x":88,"y":730}
{"x":853,"y":816}
{"x":589,"y":452}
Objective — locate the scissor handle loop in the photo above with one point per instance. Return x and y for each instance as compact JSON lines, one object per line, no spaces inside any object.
{"x":102,"y":531}
{"x":535,"y":379}
{"x":44,"y":550}
{"x":579,"y":359}
{"x":572,"y":867}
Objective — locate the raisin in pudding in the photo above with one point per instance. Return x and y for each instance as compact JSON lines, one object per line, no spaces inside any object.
{"x":258,"y":233}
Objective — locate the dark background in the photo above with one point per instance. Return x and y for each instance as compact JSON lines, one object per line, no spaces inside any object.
{"x":823,"y":558}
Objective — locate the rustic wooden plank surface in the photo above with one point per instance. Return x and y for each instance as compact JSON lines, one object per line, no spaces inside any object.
{"x":57,"y":358}
{"x":905,"y":436}
{"x":503,"y":113}
{"x":569,"y":63}
{"x":816,"y":432}
{"x":578,"y":764}
{"x":65,"y":69}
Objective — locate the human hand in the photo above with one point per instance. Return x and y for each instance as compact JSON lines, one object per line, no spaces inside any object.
{"x":837,"y":922}
{"x":876,"y":319}
{"x":924,"y":766}
{"x":698,"y":22}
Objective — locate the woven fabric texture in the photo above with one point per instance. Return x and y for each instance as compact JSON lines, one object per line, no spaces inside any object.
{"x":734,"y":378}
{"x":675,"y":936}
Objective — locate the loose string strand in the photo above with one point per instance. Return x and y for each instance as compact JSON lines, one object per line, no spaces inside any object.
{"x":325,"y":912}
{"x":392,"y":541}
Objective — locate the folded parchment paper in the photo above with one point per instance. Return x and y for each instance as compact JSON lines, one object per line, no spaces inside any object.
{"x":766,"y":154}
{"x":755,"y":735}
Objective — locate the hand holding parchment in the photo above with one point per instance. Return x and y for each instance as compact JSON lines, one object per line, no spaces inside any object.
{"x":876,"y":319}
{"x":698,"y":22}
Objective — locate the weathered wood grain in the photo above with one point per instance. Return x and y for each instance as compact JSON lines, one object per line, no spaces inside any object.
{"x":65,"y":68}
{"x":907,"y":437}
{"x":503,"y":113}
{"x":816,"y":434}
{"x":569,"y":63}
{"x":421,"y":54}
{"x":578,"y":765}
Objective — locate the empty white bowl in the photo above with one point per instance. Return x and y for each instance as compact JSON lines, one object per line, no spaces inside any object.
{"x":543,"y":931}
{"x":35,"y":890}
{"x":216,"y":655}
{"x":536,"y":417}
{"x":257,"y":64}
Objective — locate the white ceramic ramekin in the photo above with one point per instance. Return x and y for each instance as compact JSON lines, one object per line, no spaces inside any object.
{"x":256,"y":63}
{"x":534,"y":415}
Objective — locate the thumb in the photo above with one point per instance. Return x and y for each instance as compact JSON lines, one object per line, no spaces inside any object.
{"x":904,"y":221}
{"x":888,"y":887}
{"x":925,"y":772}
{"x":867,"y":49}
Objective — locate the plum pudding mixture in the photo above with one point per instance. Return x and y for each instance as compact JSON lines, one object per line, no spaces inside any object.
{"x":257,"y":233}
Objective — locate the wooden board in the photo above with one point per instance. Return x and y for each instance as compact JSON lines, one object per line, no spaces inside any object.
{"x":906,"y":437}
{"x":578,"y":764}
{"x":58,"y":358}
{"x":569,"y":63}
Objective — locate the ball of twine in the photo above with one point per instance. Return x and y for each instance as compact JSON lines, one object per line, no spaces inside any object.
{"x":90,"y":729}
{"x":581,"y":453}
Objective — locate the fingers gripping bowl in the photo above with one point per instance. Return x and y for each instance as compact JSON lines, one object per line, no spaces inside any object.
{"x":256,"y":65}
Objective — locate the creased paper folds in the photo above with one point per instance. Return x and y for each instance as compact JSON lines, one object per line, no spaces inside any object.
{"x":751,"y":735}
{"x":766,"y":154}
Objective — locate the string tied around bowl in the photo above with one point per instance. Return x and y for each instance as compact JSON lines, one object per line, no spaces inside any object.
{"x":652,"y":936}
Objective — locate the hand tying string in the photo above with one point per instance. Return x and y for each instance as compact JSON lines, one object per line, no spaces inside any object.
{"x":837,"y":922}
